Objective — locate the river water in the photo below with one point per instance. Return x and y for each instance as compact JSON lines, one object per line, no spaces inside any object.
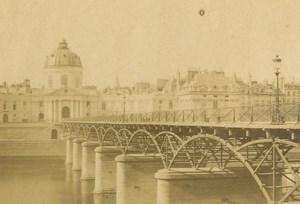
{"x":42,"y":181}
{"x":50,"y":181}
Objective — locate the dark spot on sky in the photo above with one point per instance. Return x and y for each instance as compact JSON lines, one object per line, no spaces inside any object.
{"x":201,"y":12}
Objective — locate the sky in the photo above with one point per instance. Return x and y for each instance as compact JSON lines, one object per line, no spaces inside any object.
{"x":143,"y":40}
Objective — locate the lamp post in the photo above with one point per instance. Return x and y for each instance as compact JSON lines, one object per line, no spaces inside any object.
{"x":277,"y":120}
{"x":124,"y":105}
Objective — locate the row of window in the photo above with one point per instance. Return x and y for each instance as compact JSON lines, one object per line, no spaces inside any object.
{"x":5,"y":118}
{"x":14,"y":105}
{"x":289,"y":93}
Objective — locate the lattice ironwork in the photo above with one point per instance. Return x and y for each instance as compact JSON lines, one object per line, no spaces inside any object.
{"x":289,"y":113}
{"x":264,"y":158}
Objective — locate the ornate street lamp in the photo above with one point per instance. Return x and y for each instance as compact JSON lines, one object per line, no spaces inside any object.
{"x":124,"y":106}
{"x":277,"y":119}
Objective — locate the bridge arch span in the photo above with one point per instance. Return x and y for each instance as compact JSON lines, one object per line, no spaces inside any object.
{"x":81,"y":131}
{"x":72,"y":129}
{"x":163,"y":143}
{"x":66,"y":129}
{"x":268,"y":160}
{"x":92,"y":133}
{"x":112,"y":138}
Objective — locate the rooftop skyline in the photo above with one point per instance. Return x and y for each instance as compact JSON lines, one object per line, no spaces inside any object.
{"x":140,"y":41}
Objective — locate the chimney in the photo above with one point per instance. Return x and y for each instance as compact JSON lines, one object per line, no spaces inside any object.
{"x":117,"y":83}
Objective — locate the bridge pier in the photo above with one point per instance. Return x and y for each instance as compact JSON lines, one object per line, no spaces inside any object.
{"x":88,"y":160}
{"x":205,"y":185}
{"x":86,"y":190}
{"x":69,"y":148}
{"x":105,"y":173}
{"x":135,"y":178}
{"x":76,"y":186}
{"x":77,"y":154}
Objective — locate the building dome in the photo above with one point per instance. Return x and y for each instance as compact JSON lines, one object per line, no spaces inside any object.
{"x":63,"y":56}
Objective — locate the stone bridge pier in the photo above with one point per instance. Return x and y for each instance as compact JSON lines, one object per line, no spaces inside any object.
{"x":88,"y":160}
{"x":105,"y":173}
{"x":69,"y":149}
{"x":207,"y":184}
{"x":135,"y":178}
{"x":77,"y":154}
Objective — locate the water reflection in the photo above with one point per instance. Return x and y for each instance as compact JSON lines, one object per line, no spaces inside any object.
{"x":42,"y":180}
{"x":104,"y":198}
{"x":87,"y":187}
{"x":76,"y":182}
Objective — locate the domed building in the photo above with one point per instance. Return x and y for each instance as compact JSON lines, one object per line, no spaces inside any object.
{"x":63,"y":69}
{"x":62,"y":96}
{"x":65,"y":97}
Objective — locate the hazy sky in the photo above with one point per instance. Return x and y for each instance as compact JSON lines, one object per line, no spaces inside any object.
{"x":144,"y":40}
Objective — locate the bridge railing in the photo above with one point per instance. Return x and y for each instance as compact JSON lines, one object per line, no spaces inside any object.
{"x":289,"y":113}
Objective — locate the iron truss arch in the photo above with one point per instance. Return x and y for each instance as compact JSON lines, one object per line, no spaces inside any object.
{"x":265,"y":159}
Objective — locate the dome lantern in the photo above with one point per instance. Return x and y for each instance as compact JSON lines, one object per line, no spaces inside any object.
{"x":63,"y":44}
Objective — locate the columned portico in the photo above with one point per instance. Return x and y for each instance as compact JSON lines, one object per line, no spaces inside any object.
{"x":72,"y":109}
{"x":82,"y":109}
{"x":59,"y":111}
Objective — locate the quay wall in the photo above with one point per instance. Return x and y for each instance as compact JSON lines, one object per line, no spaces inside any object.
{"x":31,"y":148}
{"x":31,"y":131}
{"x":31,"y":139}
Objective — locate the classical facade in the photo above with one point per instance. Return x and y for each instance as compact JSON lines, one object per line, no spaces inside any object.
{"x":62,"y":96}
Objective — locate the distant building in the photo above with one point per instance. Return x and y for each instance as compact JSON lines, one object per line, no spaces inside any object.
{"x":292,"y":92}
{"x":63,"y":95}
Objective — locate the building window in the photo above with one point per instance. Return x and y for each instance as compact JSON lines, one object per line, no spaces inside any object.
{"x":103,"y":105}
{"x":14,"y":105}
{"x":64,"y":81}
{"x":65,"y":113}
{"x":5,"y":118}
{"x":215,"y":104}
{"x":88,"y":104}
{"x":159,"y":104}
{"x":170,"y":105}
{"x":24,"y":105}
{"x":41,"y":104}
{"x":4,"y":105}
{"x":41,"y":117}
{"x":54,"y":134}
